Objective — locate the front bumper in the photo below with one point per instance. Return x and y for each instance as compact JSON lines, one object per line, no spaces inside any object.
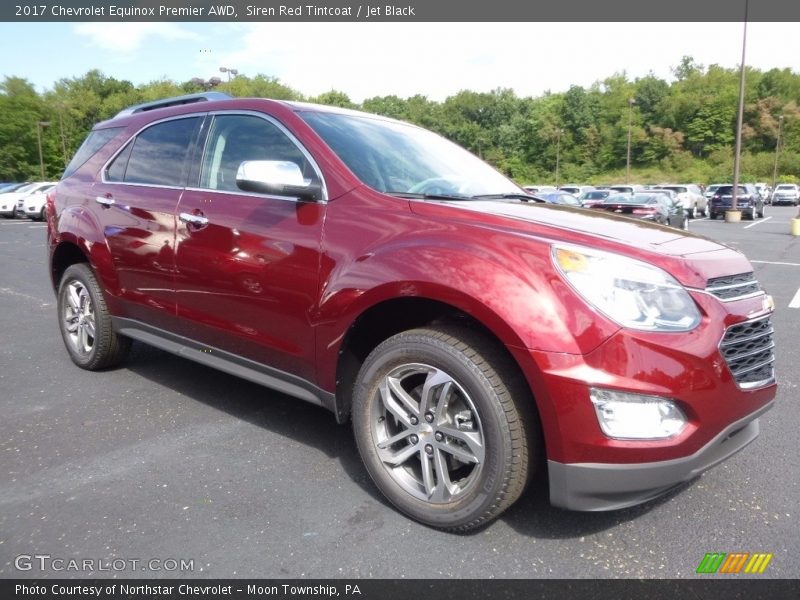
{"x":600,"y":486}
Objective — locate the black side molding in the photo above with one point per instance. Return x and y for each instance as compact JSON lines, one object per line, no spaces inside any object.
{"x":226,"y":361}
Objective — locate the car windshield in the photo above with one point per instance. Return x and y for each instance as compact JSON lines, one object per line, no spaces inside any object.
{"x":561,"y":198}
{"x":785,"y":187}
{"x":27,"y":188}
{"x":630,"y":199}
{"x":675,"y":188}
{"x":397,"y":158}
{"x":594,"y":195}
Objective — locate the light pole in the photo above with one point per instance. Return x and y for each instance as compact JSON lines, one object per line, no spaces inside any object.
{"x":39,"y":126}
{"x":558,"y":152}
{"x":631,"y":102}
{"x":63,"y":137}
{"x":229,"y":71}
{"x":738,"y":151}
{"x":777,"y":151}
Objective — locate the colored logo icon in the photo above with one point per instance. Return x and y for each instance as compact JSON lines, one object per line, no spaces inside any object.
{"x":734,"y":562}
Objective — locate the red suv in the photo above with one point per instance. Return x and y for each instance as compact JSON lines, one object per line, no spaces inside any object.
{"x":470,"y":333}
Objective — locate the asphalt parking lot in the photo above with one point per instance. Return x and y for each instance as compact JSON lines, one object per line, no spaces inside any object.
{"x":163,"y":459}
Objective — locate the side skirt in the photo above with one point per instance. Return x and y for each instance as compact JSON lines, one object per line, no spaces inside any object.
{"x":226,"y":361}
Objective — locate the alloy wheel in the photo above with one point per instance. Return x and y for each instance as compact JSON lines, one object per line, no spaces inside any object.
{"x":428,"y":433}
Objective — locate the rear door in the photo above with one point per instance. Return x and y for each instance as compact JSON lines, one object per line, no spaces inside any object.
{"x":247,"y":264}
{"x":136,"y":202}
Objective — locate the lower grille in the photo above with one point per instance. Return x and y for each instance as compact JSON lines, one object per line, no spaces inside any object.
{"x":748,"y":350}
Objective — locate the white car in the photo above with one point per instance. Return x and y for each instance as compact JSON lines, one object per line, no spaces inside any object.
{"x":788,"y":193}
{"x":539,"y":189}
{"x":9,"y":201}
{"x":690,"y":196}
{"x":32,"y":205}
{"x":763,"y":191}
{"x":575,"y":189}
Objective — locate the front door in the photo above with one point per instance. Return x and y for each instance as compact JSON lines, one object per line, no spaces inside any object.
{"x":247,"y":265}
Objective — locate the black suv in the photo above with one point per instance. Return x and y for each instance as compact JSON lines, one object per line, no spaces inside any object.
{"x":748,"y":200}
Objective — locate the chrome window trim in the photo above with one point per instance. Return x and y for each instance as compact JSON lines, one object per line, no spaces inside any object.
{"x":131,"y":139}
{"x":287,"y":133}
{"x":250,"y":194}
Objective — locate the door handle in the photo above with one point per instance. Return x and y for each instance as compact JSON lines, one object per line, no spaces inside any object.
{"x":190,"y":219}
{"x":105,"y":202}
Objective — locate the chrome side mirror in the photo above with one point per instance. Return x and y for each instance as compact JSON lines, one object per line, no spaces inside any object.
{"x":277,"y":177}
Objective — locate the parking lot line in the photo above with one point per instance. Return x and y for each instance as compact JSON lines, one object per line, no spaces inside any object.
{"x":795,"y":303}
{"x":754,"y":223}
{"x":14,"y":222}
{"x":769,"y":262}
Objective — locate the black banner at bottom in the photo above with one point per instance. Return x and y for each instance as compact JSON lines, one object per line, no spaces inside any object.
{"x":389,"y":589}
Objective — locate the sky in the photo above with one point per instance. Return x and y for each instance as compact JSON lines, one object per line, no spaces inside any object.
{"x":363,"y":60}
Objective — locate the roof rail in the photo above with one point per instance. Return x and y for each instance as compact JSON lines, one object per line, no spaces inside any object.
{"x":174,"y":101}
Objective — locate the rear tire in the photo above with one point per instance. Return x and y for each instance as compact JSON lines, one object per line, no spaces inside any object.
{"x":444,"y":427}
{"x":85,"y":322}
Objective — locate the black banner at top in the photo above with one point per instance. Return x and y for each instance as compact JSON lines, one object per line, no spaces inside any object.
{"x":400,"y":10}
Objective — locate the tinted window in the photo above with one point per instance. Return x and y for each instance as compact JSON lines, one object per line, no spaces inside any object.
{"x":159,"y":154}
{"x":96,"y":140}
{"x":236,"y":138}
{"x":116,"y":170}
{"x":727,"y":190}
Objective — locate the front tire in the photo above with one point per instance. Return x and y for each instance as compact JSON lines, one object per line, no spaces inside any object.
{"x":441,"y":426}
{"x":85,"y":322}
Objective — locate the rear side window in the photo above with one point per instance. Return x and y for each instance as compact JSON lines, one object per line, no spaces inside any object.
{"x":94,"y":141}
{"x":158,"y":156}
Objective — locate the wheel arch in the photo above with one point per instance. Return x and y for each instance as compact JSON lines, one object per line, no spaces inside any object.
{"x":387,"y":317}
{"x":65,"y":254}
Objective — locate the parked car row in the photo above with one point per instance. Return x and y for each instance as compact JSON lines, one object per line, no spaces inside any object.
{"x":25,"y":199}
{"x":668,"y":205}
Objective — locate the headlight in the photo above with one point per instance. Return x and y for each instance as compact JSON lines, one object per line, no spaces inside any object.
{"x":628,"y":416}
{"x":631,"y":292}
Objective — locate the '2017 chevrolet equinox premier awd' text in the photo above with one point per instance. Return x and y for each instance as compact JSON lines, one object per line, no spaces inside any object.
{"x":470,"y":333}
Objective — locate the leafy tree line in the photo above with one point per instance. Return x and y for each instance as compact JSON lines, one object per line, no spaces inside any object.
{"x":680,"y":130}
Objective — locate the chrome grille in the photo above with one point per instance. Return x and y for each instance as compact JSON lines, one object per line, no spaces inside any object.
{"x":732,"y":287}
{"x":748,"y":350}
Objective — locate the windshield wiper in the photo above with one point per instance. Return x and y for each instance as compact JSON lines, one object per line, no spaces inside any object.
{"x":523,"y":197}
{"x":429,"y":196}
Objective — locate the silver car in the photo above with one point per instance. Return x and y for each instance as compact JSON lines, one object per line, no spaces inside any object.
{"x":786,"y":193}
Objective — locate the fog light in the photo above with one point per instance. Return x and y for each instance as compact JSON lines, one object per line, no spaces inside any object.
{"x":626,"y":416}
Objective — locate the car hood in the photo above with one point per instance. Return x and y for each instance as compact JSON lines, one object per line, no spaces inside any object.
{"x":691,"y":258}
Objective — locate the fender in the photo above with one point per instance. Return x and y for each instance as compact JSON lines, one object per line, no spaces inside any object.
{"x":77,"y":226}
{"x":510,"y":287}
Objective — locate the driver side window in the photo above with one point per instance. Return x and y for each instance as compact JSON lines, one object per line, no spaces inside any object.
{"x":234,"y":139}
